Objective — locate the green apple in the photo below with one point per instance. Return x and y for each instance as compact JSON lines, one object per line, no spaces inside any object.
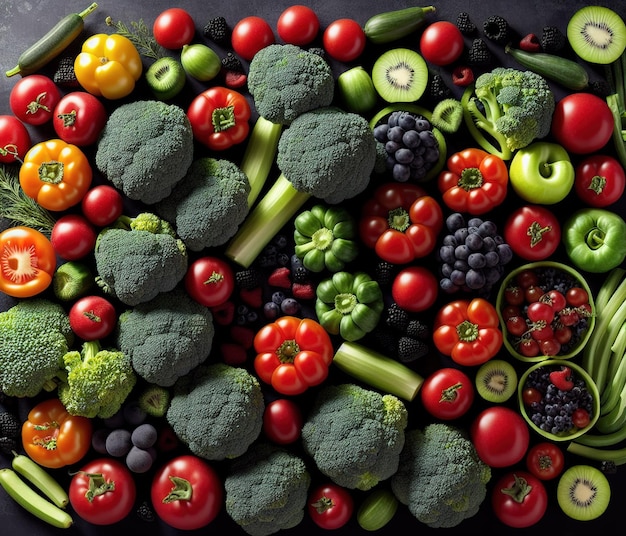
{"x":542,"y":173}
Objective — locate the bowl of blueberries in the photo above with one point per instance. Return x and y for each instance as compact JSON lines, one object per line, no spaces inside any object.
{"x":558,"y":399}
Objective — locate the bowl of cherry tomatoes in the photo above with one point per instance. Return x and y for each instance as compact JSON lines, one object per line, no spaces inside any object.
{"x":546,"y":311}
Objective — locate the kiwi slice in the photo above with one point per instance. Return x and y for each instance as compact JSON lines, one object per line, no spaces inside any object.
{"x":597,"y":34}
{"x":400,"y":75}
{"x":496,"y":380}
{"x":583,"y":492}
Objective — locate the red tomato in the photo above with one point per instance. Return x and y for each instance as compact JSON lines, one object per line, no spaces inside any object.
{"x":298,"y":25}
{"x":14,"y":139}
{"x":92,"y":318}
{"x":441,"y":43}
{"x":448,"y":393}
{"x":210,"y":281}
{"x":73,"y":237}
{"x":545,"y":460}
{"x":344,"y":40}
{"x":533,"y":232}
{"x":79,"y":118}
{"x":187,"y":493}
{"x":519,"y":499}
{"x":250,"y":35}
{"x":500,"y":436}
{"x":282,"y":421}
{"x":600,"y":180}
{"x":34,"y":98}
{"x":114,"y":494}
{"x":582,"y":123}
{"x":174,"y":28}
{"x":330,"y":506}
{"x":415,"y":289}
{"x":102,"y":205}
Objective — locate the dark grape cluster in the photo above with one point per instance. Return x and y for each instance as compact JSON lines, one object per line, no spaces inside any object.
{"x":411,"y":147}
{"x":472,"y":255}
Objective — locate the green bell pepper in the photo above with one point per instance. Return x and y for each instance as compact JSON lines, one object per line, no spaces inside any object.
{"x":349,"y":305}
{"x":324,"y":238}
{"x":595,"y":239}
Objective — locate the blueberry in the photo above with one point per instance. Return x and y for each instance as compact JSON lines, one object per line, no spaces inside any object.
{"x":401,"y":172}
{"x":395,"y":134}
{"x":139,"y":460}
{"x":271,"y":310}
{"x":411,"y":139}
{"x":144,"y":436}
{"x":278,"y":297}
{"x":118,"y":442}
{"x":380,"y":132}
{"x":407,"y":121}
{"x":290,"y":306}
{"x":133,"y":414}
{"x":98,"y":440}
{"x":404,"y":156}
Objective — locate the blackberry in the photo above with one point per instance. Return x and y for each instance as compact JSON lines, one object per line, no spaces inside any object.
{"x":300,"y":274}
{"x":437,"y":89}
{"x":410,"y":349}
{"x":384,"y":272}
{"x":417,"y":329}
{"x":553,"y":41}
{"x":496,"y":29}
{"x":8,"y":445}
{"x":231,"y":62}
{"x":217,"y":30}
{"x":600,"y":88}
{"x":387,"y":340}
{"x":397,"y":318}
{"x":145,"y":513}
{"x":10,"y":426}
{"x":64,"y":76}
{"x":248,"y":279}
{"x":465,"y":24}
{"x":479,"y":53}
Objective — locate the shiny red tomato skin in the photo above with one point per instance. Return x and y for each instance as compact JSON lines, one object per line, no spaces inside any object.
{"x":34,"y":98}
{"x":73,"y":237}
{"x":441,"y":43}
{"x":92,"y":318}
{"x":79,"y":118}
{"x":596,"y":168}
{"x":330,"y":506}
{"x":15,"y":139}
{"x":174,"y":28}
{"x":344,"y":40}
{"x":545,"y":460}
{"x":250,"y":35}
{"x":298,"y":25}
{"x":282,"y":421}
{"x":448,"y":393}
{"x":524,"y":513}
{"x":210,"y":281}
{"x":533,"y":232}
{"x":102,"y":205}
{"x":415,"y":289}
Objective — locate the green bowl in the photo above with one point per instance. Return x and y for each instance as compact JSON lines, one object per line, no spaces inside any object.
{"x":580,"y":373}
{"x":509,"y":340}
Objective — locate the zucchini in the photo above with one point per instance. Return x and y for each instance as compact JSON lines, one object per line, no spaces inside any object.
{"x":52,"y":44}
{"x":568,"y":73}
{"x":393,"y":25}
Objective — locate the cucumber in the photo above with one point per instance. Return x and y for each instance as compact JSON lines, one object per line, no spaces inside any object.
{"x":377,"y":510}
{"x":52,"y":44}
{"x":393,"y":25}
{"x":568,"y":73}
{"x":41,"y":479}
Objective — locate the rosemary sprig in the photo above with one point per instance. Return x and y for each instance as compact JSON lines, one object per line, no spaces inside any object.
{"x":140,"y":36}
{"x":19,"y":209}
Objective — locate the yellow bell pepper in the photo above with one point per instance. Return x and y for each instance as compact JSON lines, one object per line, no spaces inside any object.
{"x":108,"y":66}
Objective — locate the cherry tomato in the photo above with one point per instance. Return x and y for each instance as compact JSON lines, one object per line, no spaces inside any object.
{"x":102,"y":205}
{"x":174,"y":28}
{"x":14,"y":139}
{"x":73,"y":237}
{"x":519,"y":499}
{"x":600,"y":180}
{"x":415,"y":289}
{"x":533,"y":232}
{"x":298,"y":25}
{"x":344,"y":39}
{"x":79,"y":118}
{"x":580,"y":418}
{"x":92,"y":318}
{"x":516,"y":325}
{"x":250,"y":35}
{"x":500,"y":435}
{"x":540,"y":311}
{"x":577,"y":296}
{"x":530,"y":395}
{"x":448,"y":393}
{"x":282,"y":421}
{"x":582,"y":123}
{"x":528,"y":347}
{"x":103,"y":492}
{"x":513,"y":295}
{"x":210,"y":281}
{"x":545,"y":460}
{"x":441,"y":43}
{"x":34,"y":98}
{"x":330,"y":506}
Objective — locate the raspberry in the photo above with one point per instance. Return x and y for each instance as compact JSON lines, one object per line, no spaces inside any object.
{"x":479,"y":53}
{"x":496,"y":29}
{"x":552,"y":40}
{"x":530,"y":43}
{"x":303,"y":291}
{"x":217,"y":30}
{"x":234,"y":80}
{"x":465,"y":24}
{"x":462,"y":76}
{"x":280,"y":277}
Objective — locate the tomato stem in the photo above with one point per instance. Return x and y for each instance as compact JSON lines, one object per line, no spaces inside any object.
{"x":322,"y":504}
{"x":535,"y":231}
{"x":449,"y":394}
{"x":182,"y":490}
{"x":519,"y":490}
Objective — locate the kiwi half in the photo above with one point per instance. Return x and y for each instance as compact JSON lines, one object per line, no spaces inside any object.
{"x":496,"y":380}
{"x":400,"y":75}
{"x":583,"y":492}
{"x":597,"y":34}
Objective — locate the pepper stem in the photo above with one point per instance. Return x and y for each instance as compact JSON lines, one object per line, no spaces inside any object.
{"x":471,"y":178}
{"x":287,"y":351}
{"x":467,"y":331}
{"x":223,"y":118}
{"x":399,"y":219}
{"x":51,"y":172}
{"x":345,"y":302}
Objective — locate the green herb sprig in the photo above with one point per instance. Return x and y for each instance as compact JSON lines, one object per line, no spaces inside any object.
{"x":140,"y":36}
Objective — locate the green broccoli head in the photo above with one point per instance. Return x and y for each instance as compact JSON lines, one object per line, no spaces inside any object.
{"x":355,"y":435}
{"x":286,"y":81}
{"x":328,"y":153}
{"x":208,"y":206}
{"x":139,"y":259}
{"x":166,"y":337}
{"x":266,"y":490}
{"x":145,"y":148}
{"x":217,"y":411}
{"x":440,"y":476}
{"x":98,"y":381}
{"x":35,"y":334}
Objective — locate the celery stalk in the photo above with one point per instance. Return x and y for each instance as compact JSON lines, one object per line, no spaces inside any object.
{"x":608,"y":287}
{"x":616,"y":372}
{"x":598,"y":440}
{"x":618,"y":456}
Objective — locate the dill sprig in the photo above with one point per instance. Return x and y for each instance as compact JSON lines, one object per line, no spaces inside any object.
{"x":140,"y":36}
{"x":18,"y":208}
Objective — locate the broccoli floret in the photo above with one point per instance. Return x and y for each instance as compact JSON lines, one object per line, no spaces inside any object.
{"x":145,"y":148}
{"x":355,"y":435}
{"x":97,"y":382}
{"x":507,"y":109}
{"x":217,"y":411}
{"x":266,"y":490}
{"x":138,"y":258}
{"x":166,"y":337}
{"x":209,"y":204}
{"x":440,"y":477}
{"x":326,"y":153}
{"x":35,"y":334}
{"x":286,"y":81}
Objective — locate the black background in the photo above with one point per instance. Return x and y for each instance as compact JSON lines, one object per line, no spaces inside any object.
{"x":22,"y":22}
